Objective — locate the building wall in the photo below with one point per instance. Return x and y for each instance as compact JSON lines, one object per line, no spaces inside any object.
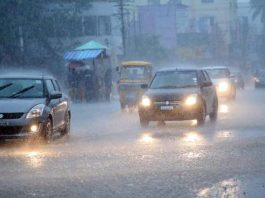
{"x":224,"y":14}
{"x":203,"y":14}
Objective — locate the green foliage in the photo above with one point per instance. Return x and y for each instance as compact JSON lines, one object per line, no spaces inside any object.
{"x":31,"y":17}
{"x":259,"y":9}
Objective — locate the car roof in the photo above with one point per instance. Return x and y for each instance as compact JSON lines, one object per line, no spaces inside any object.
{"x":135,"y":63}
{"x":215,"y":67}
{"x":27,"y":76}
{"x":180,"y":69}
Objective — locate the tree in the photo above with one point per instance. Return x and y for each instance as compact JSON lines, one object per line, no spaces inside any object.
{"x":21,"y":19}
{"x":259,"y":11}
{"x":123,"y":10}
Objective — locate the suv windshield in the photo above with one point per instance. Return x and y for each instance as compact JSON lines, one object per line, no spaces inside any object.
{"x":21,"y":88}
{"x":136,"y":72}
{"x":175,"y":79}
{"x":218,"y":73}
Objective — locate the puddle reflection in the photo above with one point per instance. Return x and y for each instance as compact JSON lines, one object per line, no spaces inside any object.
{"x":147,"y":138}
{"x":34,"y":159}
{"x":194,"y":123}
{"x":193,"y":139}
{"x":193,"y":155}
{"x":223,"y":108}
{"x":225,"y":135}
{"x":31,"y":156}
{"x":227,"y":188}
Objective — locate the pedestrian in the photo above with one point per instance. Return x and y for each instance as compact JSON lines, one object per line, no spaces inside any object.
{"x":108,"y":84}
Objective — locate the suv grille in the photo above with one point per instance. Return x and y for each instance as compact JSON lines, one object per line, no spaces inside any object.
{"x":11,"y":115}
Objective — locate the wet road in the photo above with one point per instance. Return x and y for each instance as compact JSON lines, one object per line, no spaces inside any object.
{"x":109,"y":155}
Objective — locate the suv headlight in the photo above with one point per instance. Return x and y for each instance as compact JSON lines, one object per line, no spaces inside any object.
{"x":191,"y":100}
{"x":36,"y":111}
{"x":223,"y":86}
{"x":146,"y":101}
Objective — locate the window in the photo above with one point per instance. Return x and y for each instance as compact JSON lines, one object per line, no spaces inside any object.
{"x":207,"y":77}
{"x":74,"y":26}
{"x":201,"y":77}
{"x":206,"y":24}
{"x":153,"y":2}
{"x":207,"y":1}
{"x":104,"y":25}
{"x":90,"y":26}
{"x":50,"y":86}
{"x":56,"y":85}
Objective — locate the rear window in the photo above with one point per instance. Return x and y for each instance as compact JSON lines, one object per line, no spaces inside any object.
{"x":218,"y":73}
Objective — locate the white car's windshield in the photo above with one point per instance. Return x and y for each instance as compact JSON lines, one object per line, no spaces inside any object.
{"x":21,"y":88}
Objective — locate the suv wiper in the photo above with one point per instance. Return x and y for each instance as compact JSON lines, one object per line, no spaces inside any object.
{"x":5,"y":86}
{"x":166,"y":87}
{"x":187,"y":86}
{"x":21,"y":91}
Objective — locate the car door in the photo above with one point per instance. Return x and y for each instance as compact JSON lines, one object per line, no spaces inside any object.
{"x":53,"y":104}
{"x":206,"y":91}
{"x":62,"y":107}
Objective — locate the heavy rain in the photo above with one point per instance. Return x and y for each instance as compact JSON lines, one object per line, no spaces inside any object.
{"x":132,"y":98}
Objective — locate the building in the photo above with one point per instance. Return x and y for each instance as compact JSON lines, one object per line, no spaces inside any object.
{"x":249,"y":32}
{"x":161,"y":21}
{"x":205,"y":25}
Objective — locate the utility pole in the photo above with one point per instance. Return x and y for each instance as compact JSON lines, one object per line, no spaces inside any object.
{"x":122,"y":6}
{"x":123,"y":30}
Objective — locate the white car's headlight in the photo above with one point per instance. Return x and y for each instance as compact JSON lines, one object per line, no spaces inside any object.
{"x":223,"y":86}
{"x":36,"y":111}
{"x":191,"y":100}
{"x":146,"y":102}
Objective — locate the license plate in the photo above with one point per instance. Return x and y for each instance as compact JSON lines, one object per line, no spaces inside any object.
{"x":166,"y":108}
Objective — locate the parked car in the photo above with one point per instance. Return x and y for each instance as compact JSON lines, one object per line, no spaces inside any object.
{"x":32,"y":106}
{"x":179,"y":94}
{"x":259,"y":78}
{"x":239,"y":80}
{"x":224,"y":81}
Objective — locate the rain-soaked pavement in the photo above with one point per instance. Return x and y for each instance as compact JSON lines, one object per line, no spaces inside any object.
{"x":109,"y":155}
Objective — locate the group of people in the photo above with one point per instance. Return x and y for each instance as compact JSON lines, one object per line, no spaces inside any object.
{"x":85,"y":85}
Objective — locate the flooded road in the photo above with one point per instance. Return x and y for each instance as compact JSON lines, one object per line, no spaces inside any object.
{"x":108,"y":154}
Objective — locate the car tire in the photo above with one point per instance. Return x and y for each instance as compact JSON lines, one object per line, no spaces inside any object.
{"x":67,"y":128}
{"x":214,"y":115}
{"x":202,"y":116}
{"x":144,"y":122}
{"x":48,"y":131}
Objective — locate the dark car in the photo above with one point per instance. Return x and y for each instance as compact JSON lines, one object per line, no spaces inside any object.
{"x":32,"y":106}
{"x":239,"y":80}
{"x":259,"y":78}
{"x":179,"y":94}
{"x":223,"y":80}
